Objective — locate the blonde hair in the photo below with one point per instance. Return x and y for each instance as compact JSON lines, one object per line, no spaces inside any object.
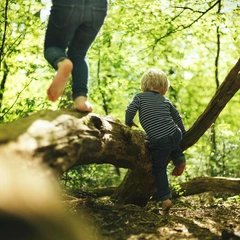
{"x":155,"y":79}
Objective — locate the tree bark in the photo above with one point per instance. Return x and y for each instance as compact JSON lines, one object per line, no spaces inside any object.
{"x":209,"y":184}
{"x":66,"y":138}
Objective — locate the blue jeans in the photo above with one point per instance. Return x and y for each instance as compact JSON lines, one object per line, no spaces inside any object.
{"x":73,"y":25}
{"x":161,"y":149}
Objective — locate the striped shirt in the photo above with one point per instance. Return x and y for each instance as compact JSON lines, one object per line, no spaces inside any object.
{"x":157,"y":115}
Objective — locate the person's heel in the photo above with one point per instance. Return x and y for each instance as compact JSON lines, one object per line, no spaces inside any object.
{"x":166,"y":205}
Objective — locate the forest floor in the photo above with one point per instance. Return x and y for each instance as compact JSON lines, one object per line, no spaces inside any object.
{"x":202,"y":216}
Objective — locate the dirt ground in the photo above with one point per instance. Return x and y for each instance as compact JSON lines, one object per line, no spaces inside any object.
{"x":203,"y":216}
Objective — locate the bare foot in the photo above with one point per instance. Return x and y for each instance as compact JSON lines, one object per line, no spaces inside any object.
{"x":60,"y":80}
{"x":178,"y":170}
{"x":82,"y":104}
{"x":166,"y":205}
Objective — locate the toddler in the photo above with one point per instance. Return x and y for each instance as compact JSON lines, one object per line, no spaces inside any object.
{"x":164,"y":128}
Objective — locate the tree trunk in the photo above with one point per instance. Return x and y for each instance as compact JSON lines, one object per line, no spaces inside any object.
{"x":66,"y":138}
{"x":137,"y":187}
{"x":225,"y":92}
{"x":209,"y":184}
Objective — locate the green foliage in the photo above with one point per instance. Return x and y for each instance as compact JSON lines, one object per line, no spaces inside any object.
{"x":91,"y":176}
{"x":175,"y":186}
{"x":179,"y":37}
{"x":222,"y":161}
{"x":22,"y":108}
{"x":22,"y":61}
{"x":234,"y":199}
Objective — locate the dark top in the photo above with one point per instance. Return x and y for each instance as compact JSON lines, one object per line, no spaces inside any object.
{"x":157,"y":115}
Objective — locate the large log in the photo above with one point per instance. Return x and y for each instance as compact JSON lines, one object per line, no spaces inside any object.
{"x":66,"y":138}
{"x":209,"y":184}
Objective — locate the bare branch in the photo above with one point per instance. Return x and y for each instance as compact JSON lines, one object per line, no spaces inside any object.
{"x":183,"y":27}
{"x":191,"y":9}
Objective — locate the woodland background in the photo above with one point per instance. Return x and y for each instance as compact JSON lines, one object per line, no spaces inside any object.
{"x":195,"y":42}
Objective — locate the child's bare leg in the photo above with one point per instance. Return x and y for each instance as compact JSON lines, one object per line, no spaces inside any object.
{"x":178,"y":170}
{"x":82,"y":104}
{"x":60,"y":80}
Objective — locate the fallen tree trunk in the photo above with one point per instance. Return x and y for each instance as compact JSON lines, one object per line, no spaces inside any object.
{"x":192,"y":187}
{"x":66,"y":138}
{"x":209,"y":184}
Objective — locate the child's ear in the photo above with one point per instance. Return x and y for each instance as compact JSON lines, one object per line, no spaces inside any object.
{"x":163,"y":92}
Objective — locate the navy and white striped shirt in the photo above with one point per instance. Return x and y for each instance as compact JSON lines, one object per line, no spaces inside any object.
{"x":157,"y":115}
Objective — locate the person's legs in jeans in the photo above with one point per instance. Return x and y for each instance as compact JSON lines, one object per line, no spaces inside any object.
{"x":94,"y":14}
{"x":64,"y":27}
{"x":160,"y":153}
{"x":64,"y":19}
{"x":179,"y":161}
{"x":177,"y":155}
